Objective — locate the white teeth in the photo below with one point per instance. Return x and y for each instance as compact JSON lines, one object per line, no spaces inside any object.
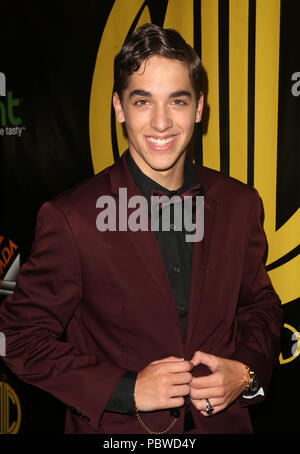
{"x":160,"y":142}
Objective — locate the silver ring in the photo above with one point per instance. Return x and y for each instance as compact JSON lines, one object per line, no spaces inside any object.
{"x":209,"y":409}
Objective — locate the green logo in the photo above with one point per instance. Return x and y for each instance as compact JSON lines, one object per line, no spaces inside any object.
{"x":8,"y":105}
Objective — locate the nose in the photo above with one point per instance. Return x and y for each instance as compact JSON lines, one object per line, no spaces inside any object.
{"x":161,"y":119}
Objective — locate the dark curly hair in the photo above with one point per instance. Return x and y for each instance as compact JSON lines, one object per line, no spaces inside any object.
{"x":149,"y":40}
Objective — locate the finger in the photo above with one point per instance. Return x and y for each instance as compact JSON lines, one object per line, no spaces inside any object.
{"x":204,"y":358}
{"x":216,"y":409}
{"x":179,"y":390}
{"x":173,"y":402}
{"x":176,"y":366}
{"x":205,"y":393}
{"x":180,"y":378}
{"x":208,"y":381}
{"x":168,"y":359}
{"x":216,"y":404}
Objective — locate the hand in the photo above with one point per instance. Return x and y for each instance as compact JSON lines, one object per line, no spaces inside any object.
{"x":226,"y":382}
{"x":163,"y":384}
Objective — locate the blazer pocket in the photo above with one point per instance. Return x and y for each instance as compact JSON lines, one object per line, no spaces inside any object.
{"x":113,"y":417}
{"x":218,"y":262}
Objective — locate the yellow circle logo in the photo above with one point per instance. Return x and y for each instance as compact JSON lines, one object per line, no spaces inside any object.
{"x":107,"y":139}
{"x":295,"y":349}
{"x":10,"y":410}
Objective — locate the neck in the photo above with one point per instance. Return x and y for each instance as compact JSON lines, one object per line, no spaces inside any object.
{"x":167,"y":179}
{"x":170,"y":179}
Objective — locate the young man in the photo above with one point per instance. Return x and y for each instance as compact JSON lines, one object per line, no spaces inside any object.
{"x":163,"y":335}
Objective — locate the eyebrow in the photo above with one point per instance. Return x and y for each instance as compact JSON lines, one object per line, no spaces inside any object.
{"x":148,"y":94}
{"x":179,"y":93}
{"x":140,"y":93}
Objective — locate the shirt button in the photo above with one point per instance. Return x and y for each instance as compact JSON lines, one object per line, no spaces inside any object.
{"x":175,"y":412}
{"x":180,"y":308}
{"x":177,"y":269}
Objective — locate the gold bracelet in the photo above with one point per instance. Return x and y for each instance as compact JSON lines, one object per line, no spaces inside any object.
{"x":248,"y":380}
{"x":150,"y":431}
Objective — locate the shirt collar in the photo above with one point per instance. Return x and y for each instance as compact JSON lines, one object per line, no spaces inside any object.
{"x":146,"y":184}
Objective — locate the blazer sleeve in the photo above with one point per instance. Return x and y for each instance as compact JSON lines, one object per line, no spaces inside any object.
{"x":34,"y":318}
{"x":259,"y":316}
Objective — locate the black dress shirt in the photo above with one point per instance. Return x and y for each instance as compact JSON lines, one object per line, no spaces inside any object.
{"x":177,"y":257}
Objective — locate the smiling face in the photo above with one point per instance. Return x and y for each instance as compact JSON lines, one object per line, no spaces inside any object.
{"x":159,"y":109}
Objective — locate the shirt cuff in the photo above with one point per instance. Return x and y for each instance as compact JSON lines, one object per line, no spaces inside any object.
{"x":122,"y":400}
{"x":260,"y":392}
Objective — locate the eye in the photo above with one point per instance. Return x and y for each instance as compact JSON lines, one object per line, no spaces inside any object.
{"x":141,"y":102}
{"x":179,"y":102}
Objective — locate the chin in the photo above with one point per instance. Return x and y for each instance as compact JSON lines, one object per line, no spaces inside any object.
{"x":162,"y":166}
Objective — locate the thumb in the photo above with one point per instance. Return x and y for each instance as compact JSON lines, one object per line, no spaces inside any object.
{"x":204,"y":358}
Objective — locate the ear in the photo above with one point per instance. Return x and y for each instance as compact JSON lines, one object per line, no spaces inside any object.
{"x":118,"y":108}
{"x":199,"y":109}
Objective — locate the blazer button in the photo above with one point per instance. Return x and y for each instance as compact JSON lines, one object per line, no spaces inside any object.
{"x":175,"y":412}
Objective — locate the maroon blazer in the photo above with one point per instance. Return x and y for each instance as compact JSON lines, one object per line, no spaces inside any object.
{"x":110,"y":293}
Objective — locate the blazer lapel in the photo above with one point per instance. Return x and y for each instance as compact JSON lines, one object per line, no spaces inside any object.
{"x":201,"y":253}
